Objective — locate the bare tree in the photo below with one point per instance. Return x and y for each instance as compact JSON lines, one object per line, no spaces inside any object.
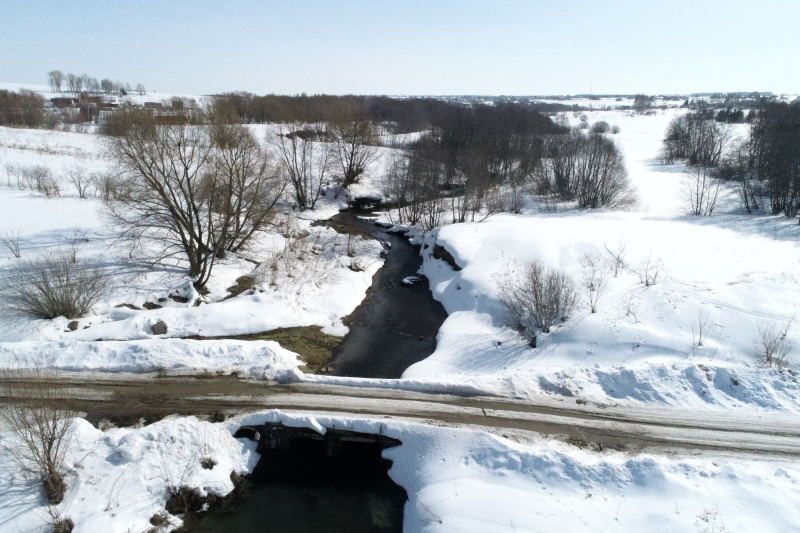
{"x":198,"y":191}
{"x":249,"y":183}
{"x":78,"y":84}
{"x":356,"y":143}
{"x":81,"y":180}
{"x":71,"y":82}
{"x":56,"y":79}
{"x":84,"y":82}
{"x":106,"y":184}
{"x":617,"y":257}
{"x":701,"y":190}
{"x":107,"y":86}
{"x":11,"y":240}
{"x":93,"y":85}
{"x":650,"y":268}
{"x":537,"y":297}
{"x":39,"y":178}
{"x":426,"y":168}
{"x":400,"y":187}
{"x":167,"y":191}
{"x":305,"y":164}
{"x":697,"y":139}
{"x":595,"y":278}
{"x":700,"y":327}
{"x":42,"y":425}
{"x":775,"y":155}
{"x":739,"y":166}
{"x":772,"y":344}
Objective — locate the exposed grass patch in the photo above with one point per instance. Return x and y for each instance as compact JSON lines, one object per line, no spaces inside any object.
{"x":312,"y":345}
{"x":242,"y":284}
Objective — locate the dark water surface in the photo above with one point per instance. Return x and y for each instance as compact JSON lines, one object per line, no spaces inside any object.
{"x":397,"y":325}
{"x":304,"y":489}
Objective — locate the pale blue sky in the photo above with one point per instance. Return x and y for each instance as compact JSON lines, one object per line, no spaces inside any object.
{"x":409,"y":47}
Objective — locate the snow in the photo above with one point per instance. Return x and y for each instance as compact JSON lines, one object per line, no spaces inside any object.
{"x":256,"y":359}
{"x":740,"y":271}
{"x":457,"y":479}
{"x":119,"y":478}
{"x":638,"y":351}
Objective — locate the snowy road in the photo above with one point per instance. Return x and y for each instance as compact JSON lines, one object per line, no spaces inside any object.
{"x":125,"y":399}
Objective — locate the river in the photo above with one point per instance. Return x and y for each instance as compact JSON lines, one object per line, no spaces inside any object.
{"x":396,"y":325}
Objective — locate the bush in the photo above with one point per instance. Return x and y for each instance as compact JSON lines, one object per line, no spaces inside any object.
{"x":600,"y":127}
{"x":587,"y":169}
{"x":539,"y":297}
{"x":696,"y":139}
{"x":51,"y":285}
{"x":772,"y":344}
{"x":36,"y":178}
{"x":41,"y":427}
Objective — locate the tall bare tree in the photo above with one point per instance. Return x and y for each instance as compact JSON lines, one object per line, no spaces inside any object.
{"x":305,"y":164}
{"x":199,"y":191}
{"x":56,"y":79}
{"x":250,"y":183}
{"x":356,"y":142}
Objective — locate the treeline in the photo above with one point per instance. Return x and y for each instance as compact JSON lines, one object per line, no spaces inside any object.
{"x":470,"y":158}
{"x":771,"y":158}
{"x":487,"y":157}
{"x":74,"y":83}
{"x":402,"y":115}
{"x":25,"y":108}
{"x":765,"y":165}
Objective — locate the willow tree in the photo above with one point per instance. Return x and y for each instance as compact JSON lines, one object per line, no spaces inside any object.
{"x":195,"y":191}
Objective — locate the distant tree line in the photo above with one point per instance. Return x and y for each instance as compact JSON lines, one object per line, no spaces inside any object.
{"x":765,"y":165}
{"x":25,"y":108}
{"x":61,"y":82}
{"x":401,"y":115}
{"x":481,"y":159}
{"x":768,"y":162}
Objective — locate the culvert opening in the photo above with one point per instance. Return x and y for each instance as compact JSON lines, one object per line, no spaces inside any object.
{"x":307,"y":482}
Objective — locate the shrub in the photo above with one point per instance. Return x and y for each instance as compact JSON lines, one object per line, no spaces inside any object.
{"x":600,"y":127}
{"x":38,"y":178}
{"x":11,"y":240}
{"x":41,"y":427}
{"x":696,"y":139}
{"x":587,"y":169}
{"x":595,"y":278}
{"x":538,"y":297}
{"x":772,"y":344}
{"x":701,"y":191}
{"x":51,"y":285}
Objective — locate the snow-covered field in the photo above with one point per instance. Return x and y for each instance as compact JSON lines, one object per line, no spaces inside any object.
{"x":733,"y":272}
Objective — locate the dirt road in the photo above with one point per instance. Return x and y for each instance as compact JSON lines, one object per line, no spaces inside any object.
{"x":125,"y":399}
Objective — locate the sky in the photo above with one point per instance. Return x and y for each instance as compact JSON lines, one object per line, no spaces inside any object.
{"x":409,"y":47}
